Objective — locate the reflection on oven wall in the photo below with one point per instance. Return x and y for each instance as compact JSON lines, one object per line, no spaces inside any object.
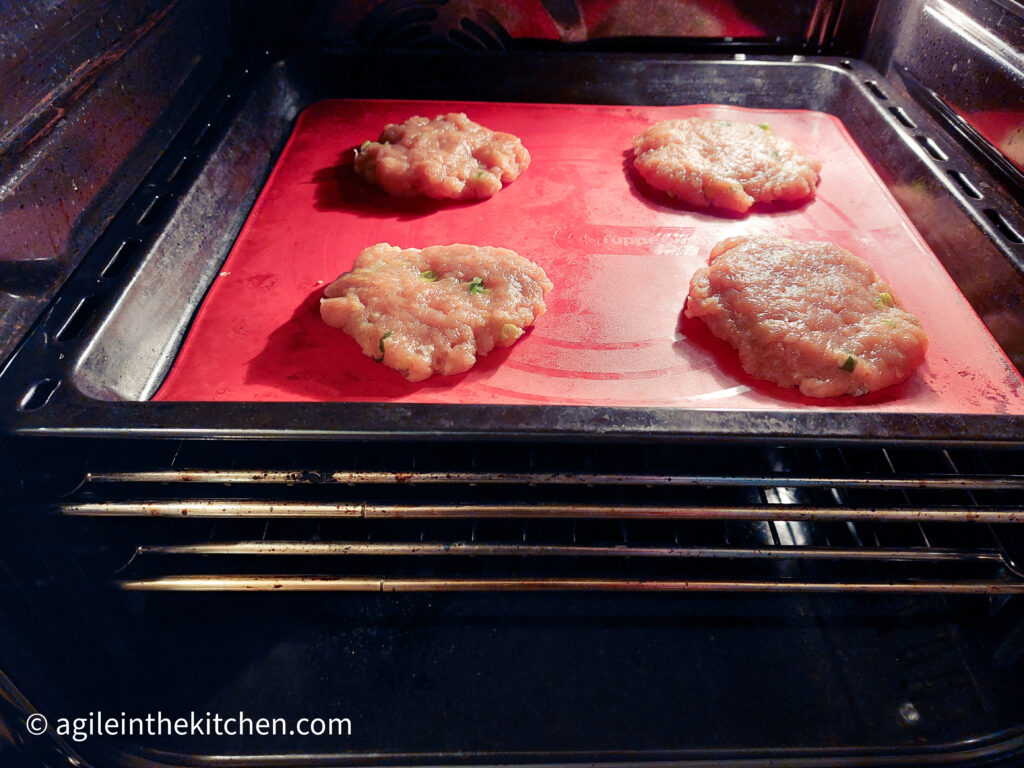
{"x":91,"y":92}
{"x":965,"y":61}
{"x":490,"y":24}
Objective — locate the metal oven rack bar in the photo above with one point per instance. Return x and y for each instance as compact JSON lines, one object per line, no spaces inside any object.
{"x":811,"y":523}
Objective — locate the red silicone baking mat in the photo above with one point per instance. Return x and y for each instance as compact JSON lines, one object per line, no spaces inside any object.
{"x":619,"y":253}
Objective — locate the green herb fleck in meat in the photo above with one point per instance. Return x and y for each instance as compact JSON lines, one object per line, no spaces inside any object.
{"x":849,"y":364}
{"x":381,"y":358}
{"x":884,"y":300}
{"x":764,"y":127}
{"x":429,"y":275}
{"x":476,"y":285}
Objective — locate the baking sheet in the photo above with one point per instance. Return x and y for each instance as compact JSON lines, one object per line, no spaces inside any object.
{"x":619,"y":253}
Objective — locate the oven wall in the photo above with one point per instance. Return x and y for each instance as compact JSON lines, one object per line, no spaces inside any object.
{"x":964,"y":61}
{"x":92,"y":92}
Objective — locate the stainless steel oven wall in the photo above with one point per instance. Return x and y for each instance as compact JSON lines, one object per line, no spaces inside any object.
{"x":92,"y":92}
{"x":963,"y":62}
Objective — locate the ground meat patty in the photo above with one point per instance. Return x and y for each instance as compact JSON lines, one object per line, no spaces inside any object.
{"x":808,"y":315}
{"x":447,"y":157}
{"x":435,"y":310}
{"x":722,"y":163}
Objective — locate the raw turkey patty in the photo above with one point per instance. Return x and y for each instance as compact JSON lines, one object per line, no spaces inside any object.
{"x":723,"y":163}
{"x":447,"y":157}
{"x":435,"y":310}
{"x":808,"y":315}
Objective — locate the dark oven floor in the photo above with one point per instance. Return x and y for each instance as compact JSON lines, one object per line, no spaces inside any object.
{"x":577,"y":674}
{"x":548,"y":678}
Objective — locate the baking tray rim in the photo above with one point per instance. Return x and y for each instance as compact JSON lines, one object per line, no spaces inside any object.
{"x":433,"y":421}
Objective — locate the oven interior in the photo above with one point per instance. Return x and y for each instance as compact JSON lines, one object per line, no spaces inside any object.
{"x":485,"y":585}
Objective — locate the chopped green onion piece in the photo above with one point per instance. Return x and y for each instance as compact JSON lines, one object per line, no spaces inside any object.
{"x":478,"y":175}
{"x":511,"y":331}
{"x":884,"y":300}
{"x":764,"y":126}
{"x":364,"y":145}
{"x":850,"y":364}
{"x":476,"y":285}
{"x":429,"y":275}
{"x":381,"y":358}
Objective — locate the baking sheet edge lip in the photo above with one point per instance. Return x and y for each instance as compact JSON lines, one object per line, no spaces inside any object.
{"x":388,"y":421}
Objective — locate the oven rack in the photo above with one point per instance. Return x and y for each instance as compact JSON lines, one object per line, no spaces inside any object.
{"x":388,"y":519}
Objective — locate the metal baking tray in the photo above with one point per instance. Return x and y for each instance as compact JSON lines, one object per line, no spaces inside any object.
{"x":94,"y":363}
